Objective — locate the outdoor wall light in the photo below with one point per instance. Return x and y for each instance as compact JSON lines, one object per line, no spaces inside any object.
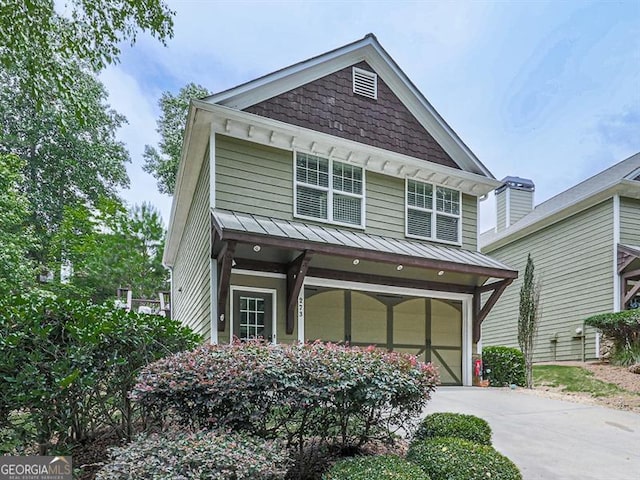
{"x":440,"y":273}
{"x":399,"y":267}
{"x":257,"y":248}
{"x":356,"y":261}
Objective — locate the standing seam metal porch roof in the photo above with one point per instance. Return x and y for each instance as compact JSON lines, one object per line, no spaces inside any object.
{"x":274,"y":227}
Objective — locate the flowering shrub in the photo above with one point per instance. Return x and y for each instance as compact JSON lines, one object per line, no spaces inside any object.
{"x":335,"y":394}
{"x":382,"y":467}
{"x":458,"y":459}
{"x":455,"y":425}
{"x":506,"y":365}
{"x":194,"y":455}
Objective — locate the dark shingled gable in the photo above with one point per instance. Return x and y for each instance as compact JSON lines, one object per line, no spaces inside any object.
{"x":329,"y":105}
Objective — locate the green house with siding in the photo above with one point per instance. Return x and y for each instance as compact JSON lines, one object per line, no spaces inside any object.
{"x":330,"y":201}
{"x":585,"y":244}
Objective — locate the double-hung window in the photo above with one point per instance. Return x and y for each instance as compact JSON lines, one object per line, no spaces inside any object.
{"x":328,"y":190}
{"x":433,"y":212}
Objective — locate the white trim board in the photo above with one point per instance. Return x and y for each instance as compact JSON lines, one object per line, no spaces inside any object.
{"x":616,"y":240}
{"x":274,"y":308}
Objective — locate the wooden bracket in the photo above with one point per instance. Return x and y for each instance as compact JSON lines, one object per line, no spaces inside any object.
{"x":225,"y":263}
{"x":632,"y":274}
{"x":626,"y":256}
{"x":624,"y":260}
{"x":630,"y":294}
{"x":480,"y":311}
{"x":296,"y":271}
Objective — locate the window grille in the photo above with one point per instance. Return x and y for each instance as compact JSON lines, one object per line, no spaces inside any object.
{"x":337,"y":197}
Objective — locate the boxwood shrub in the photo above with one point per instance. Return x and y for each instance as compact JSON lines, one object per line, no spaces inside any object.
{"x":195,"y":455}
{"x":506,"y":366}
{"x":380,"y":467}
{"x":457,"y":425}
{"x":458,"y":459}
{"x":338,"y":395}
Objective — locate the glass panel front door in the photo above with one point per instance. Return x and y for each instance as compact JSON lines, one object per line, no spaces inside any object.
{"x":252,"y":316}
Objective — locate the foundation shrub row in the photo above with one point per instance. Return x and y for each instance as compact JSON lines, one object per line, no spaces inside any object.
{"x":312,"y":411}
{"x":333,"y":394}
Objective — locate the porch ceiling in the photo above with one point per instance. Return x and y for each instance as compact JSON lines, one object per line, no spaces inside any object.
{"x":341,"y":247}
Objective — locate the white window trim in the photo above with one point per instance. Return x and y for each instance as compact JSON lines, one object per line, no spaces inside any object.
{"x":274,"y":302}
{"x":433,"y":212}
{"x":330,"y":192}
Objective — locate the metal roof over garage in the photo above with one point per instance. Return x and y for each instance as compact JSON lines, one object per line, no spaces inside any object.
{"x":332,"y":240}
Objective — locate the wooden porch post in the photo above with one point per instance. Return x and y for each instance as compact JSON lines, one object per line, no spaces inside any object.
{"x":296,"y":271}
{"x":225,"y":262}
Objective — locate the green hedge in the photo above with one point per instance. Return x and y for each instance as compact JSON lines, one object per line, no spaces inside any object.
{"x":455,"y":425}
{"x":457,"y":459}
{"x":67,"y":366}
{"x":211,"y":455}
{"x":380,"y":467}
{"x":504,"y":366}
{"x":624,"y":329}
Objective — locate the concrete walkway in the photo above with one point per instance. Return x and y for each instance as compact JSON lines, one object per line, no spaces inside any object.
{"x":552,"y":439}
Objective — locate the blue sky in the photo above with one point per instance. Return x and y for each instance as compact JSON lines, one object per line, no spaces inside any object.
{"x":543,"y":90}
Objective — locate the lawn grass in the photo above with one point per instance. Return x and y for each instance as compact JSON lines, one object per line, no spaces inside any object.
{"x":573,"y":379}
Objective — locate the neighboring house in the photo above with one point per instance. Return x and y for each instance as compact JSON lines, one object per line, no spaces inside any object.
{"x":585,"y":244}
{"x":329,"y":200}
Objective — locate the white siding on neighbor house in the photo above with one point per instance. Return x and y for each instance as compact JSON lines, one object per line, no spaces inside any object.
{"x":573,"y":259}
{"x":256,"y":179}
{"x":191,"y":276}
{"x":629,"y":221}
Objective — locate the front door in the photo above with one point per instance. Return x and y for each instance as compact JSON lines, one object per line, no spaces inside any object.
{"x":252,"y":315}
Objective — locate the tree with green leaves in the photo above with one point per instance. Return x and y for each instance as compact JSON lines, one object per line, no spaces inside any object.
{"x":110,"y":247}
{"x":528,"y":318}
{"x":16,"y":238}
{"x":46,"y":41}
{"x":163,"y":162}
{"x":67,"y":161}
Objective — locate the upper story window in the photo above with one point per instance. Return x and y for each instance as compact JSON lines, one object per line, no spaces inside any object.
{"x":328,"y":190}
{"x":433,"y":212}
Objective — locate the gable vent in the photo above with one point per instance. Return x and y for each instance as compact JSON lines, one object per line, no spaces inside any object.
{"x":365,"y":83}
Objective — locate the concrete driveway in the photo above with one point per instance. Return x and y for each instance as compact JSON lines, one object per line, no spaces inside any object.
{"x":552,"y":439}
